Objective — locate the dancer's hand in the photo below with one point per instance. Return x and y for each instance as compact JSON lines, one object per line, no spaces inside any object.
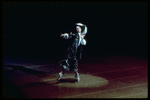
{"x":61,"y":35}
{"x":82,"y":35}
{"x":65,"y":35}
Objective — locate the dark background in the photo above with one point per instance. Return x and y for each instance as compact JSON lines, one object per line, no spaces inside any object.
{"x":31,"y":29}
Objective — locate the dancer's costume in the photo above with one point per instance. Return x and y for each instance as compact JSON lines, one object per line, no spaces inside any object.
{"x":74,"y":52}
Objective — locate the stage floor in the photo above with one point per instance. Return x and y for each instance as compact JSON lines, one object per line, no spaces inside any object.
{"x":107,"y":77}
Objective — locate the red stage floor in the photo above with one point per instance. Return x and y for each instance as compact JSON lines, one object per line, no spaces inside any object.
{"x":108,"y":77}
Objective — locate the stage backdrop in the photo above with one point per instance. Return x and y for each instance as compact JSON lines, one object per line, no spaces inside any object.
{"x":32,"y":29}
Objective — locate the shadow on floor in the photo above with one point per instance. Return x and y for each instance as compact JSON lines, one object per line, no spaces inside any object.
{"x":50,"y":83}
{"x":67,"y":80}
{"x":40,"y":74}
{"x":9,"y":90}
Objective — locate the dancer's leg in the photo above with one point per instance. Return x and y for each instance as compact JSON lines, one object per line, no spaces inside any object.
{"x":62,"y":71}
{"x":61,"y":74}
{"x":76,"y":71}
{"x":77,"y":75}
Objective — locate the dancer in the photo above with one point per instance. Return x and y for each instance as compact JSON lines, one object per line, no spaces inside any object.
{"x":74,"y":51}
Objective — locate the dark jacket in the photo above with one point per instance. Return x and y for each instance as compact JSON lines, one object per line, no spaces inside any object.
{"x":74,"y":51}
